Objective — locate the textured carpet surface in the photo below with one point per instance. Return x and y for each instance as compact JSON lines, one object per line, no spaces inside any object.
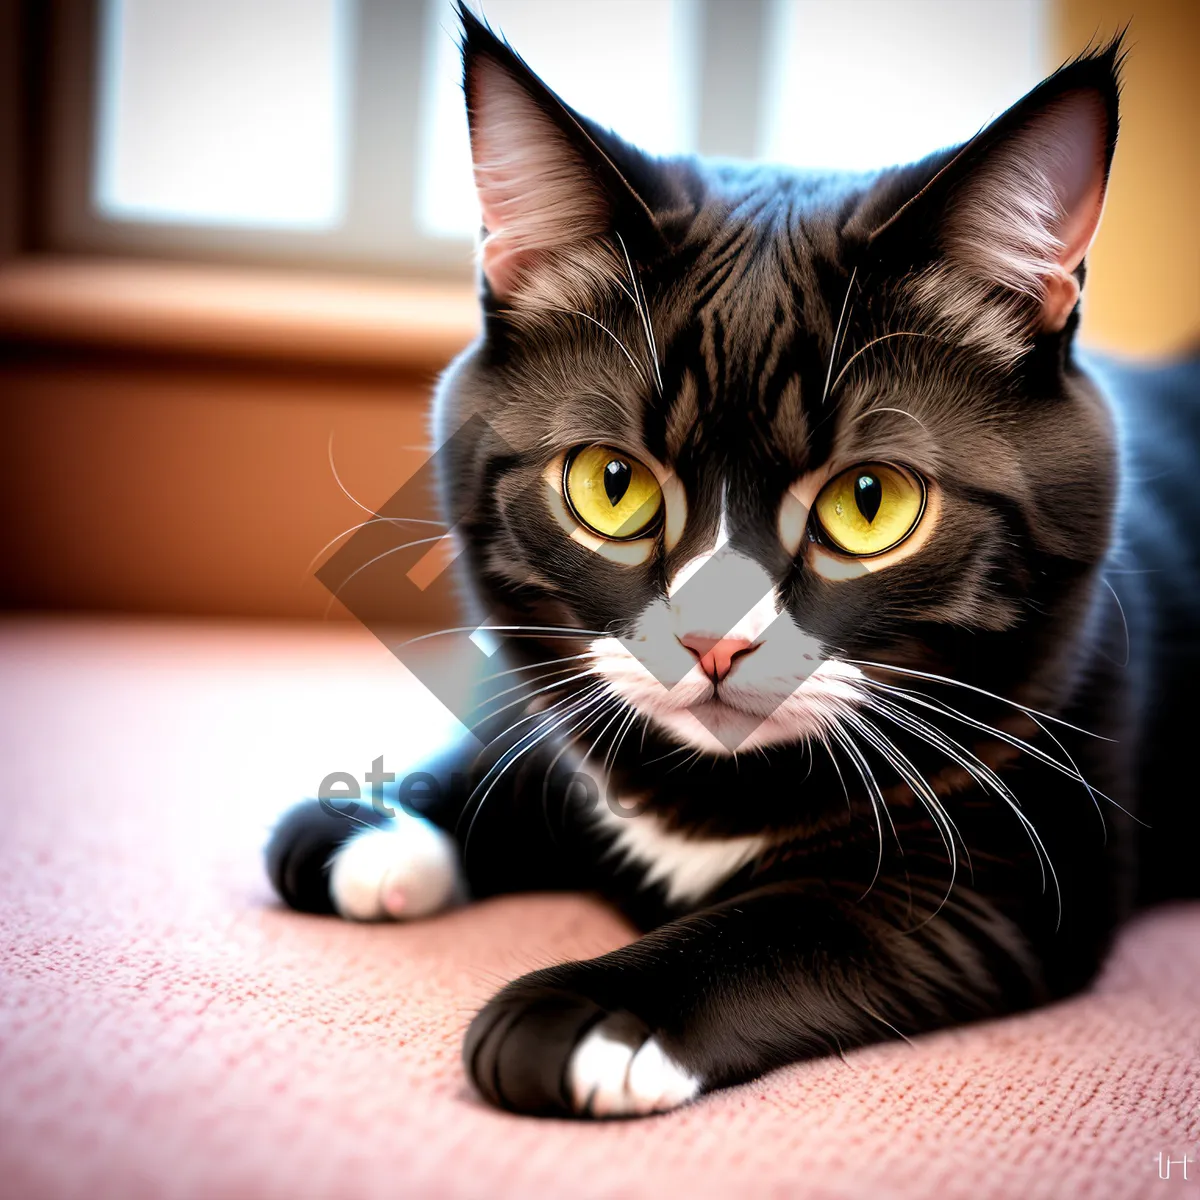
{"x":166,"y":1030}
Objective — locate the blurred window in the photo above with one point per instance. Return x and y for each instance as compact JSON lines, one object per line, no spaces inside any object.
{"x":627,"y":64}
{"x":206,"y":115}
{"x":332,"y":132}
{"x":863,"y":83}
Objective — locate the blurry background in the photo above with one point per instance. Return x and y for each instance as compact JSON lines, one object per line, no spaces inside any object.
{"x":235,"y":238}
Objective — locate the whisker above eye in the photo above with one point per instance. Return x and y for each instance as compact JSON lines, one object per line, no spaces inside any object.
{"x":883,"y":337}
{"x":834,"y":349}
{"x":903,"y":412}
{"x":643,"y":310}
{"x":600,"y":325}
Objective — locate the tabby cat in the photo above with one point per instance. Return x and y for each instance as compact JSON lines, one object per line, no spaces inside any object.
{"x":849,"y":619}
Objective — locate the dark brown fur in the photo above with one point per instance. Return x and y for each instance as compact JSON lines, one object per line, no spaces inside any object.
{"x":843,"y":932}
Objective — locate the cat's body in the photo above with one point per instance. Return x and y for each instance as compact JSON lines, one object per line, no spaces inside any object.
{"x":843,"y":792}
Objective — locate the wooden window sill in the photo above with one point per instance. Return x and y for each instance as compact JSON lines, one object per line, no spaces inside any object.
{"x":236,"y":312}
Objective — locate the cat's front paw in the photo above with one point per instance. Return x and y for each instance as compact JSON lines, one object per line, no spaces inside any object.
{"x":407,"y":868}
{"x":548,"y":1051}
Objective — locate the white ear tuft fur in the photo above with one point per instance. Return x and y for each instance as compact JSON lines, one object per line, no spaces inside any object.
{"x":1023,"y":219}
{"x":1026,"y":217}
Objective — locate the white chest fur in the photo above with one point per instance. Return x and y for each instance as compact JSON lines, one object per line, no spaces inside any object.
{"x":686,"y":867}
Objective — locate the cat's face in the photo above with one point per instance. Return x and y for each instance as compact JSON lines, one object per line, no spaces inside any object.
{"x":757,"y":430}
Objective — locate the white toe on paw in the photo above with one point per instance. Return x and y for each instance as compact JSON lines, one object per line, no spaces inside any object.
{"x":608,"y":1077}
{"x":407,"y":869}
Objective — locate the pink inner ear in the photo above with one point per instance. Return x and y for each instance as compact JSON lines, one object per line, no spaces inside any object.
{"x":1026,"y":215}
{"x":1077,"y":175}
{"x":535,"y":192}
{"x":1080,"y":181}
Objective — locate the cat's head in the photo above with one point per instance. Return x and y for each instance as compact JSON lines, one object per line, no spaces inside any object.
{"x":756,"y":427}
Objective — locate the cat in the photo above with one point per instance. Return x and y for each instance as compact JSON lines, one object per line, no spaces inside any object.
{"x":799,"y":517}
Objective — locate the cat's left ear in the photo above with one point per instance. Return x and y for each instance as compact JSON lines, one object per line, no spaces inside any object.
{"x":1016,"y":209}
{"x":552,"y":186}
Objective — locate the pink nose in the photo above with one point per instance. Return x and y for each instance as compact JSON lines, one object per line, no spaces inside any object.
{"x":716,"y":656}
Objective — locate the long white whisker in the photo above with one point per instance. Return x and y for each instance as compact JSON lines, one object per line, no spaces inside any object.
{"x":575,"y":731}
{"x":618,"y":713}
{"x":546,"y":715}
{"x":823,"y":737}
{"x":883,"y":337}
{"x":572,"y":673}
{"x":868,"y":777}
{"x":535,"y":666}
{"x":947,"y":710}
{"x":644,"y":312}
{"x":1044,"y":862}
{"x":940,"y":740}
{"x":1093,"y":792}
{"x":621,"y":345}
{"x":669,"y":754}
{"x":916,"y":781}
{"x":363,"y":525}
{"x":509,"y":758}
{"x":909,"y":773}
{"x":541,"y":712}
{"x":611,"y":756}
{"x":837,"y":333}
{"x":973,"y":765}
{"x":338,"y":480}
{"x":1124,"y":622}
{"x":532,"y":630}
{"x":372,"y":561}
{"x":970,"y":687}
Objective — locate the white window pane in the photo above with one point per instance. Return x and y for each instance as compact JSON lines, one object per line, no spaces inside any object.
{"x":868,"y":83}
{"x":224,"y":111}
{"x":629,"y":64}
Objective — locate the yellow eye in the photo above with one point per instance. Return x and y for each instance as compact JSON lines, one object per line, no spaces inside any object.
{"x":870,"y":508}
{"x":611,"y":493}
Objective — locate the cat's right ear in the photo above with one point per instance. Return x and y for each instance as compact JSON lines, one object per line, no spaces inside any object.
{"x":551,"y":196}
{"x":1014,"y":211}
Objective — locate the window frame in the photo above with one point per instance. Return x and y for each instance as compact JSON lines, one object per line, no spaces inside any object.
{"x":379,"y":233}
{"x":388,"y":44}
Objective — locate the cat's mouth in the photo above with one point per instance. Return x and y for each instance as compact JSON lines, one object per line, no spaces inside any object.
{"x":727,"y":717}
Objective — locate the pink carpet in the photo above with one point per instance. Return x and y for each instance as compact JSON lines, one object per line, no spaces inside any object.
{"x":166,"y":1030}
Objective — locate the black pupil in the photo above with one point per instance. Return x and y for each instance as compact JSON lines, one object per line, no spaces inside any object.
{"x":868,"y":495}
{"x":616,"y":480}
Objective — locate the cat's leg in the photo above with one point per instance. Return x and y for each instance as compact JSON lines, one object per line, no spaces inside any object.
{"x":363,"y":866}
{"x":720,"y":996}
{"x":377,"y":861}
{"x":371,"y":859}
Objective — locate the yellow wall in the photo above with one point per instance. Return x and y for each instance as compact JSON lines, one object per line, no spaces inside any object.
{"x":1143,"y":289}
